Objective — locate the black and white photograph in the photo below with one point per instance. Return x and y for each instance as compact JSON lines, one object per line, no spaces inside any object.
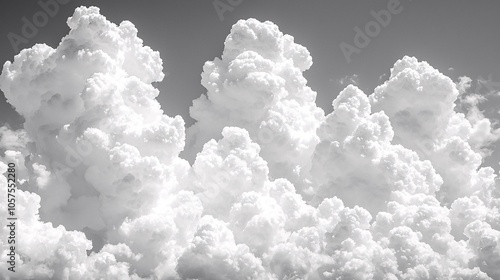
{"x":249,"y":140}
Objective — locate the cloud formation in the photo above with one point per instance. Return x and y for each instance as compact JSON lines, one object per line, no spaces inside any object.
{"x":258,"y":85}
{"x":388,"y":186}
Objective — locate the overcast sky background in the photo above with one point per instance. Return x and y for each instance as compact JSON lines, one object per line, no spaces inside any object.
{"x":463,"y":35}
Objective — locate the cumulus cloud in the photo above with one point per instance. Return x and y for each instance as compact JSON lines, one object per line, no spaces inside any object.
{"x":258,"y":85}
{"x":471,"y":101}
{"x":490,"y":84}
{"x":382,"y":77}
{"x":101,"y":150}
{"x":388,"y":186}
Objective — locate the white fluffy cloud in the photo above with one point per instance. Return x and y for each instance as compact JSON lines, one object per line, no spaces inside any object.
{"x":387,"y":186}
{"x":483,"y":136}
{"x":258,"y":85}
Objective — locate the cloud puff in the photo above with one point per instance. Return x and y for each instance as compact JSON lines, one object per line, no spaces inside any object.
{"x":387,"y":186}
{"x":356,"y":160}
{"x":483,"y":134}
{"x":258,"y":85}
{"x":48,"y":252}
{"x":101,"y":150}
{"x":91,"y":111}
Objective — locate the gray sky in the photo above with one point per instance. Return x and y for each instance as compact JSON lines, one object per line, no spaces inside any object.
{"x":463,"y":35}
